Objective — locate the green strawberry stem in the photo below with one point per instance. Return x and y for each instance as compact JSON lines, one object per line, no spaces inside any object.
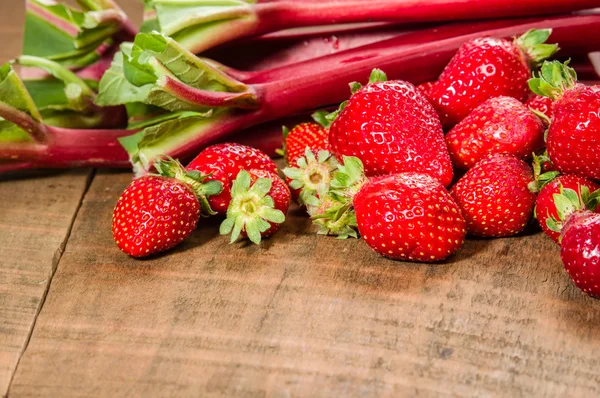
{"x":251,"y":209}
{"x":312,"y":176}
{"x":169,"y":167}
{"x":541,"y":179}
{"x":533,"y":43}
{"x":335,"y":214}
{"x":568,"y":201}
{"x":553,"y":79}
{"x":377,"y":75}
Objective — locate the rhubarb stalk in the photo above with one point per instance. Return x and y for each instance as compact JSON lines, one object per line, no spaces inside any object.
{"x":202,"y":24}
{"x":300,"y":87}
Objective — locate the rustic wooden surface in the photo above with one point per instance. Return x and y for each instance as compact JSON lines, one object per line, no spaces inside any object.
{"x":301,"y":315}
{"x":36,"y":214}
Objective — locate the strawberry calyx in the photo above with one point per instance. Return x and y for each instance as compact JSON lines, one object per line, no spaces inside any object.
{"x":312,"y":176}
{"x":335,"y":218}
{"x":335,"y":214}
{"x":553,"y":79}
{"x":251,"y":209}
{"x":377,"y":76}
{"x":541,"y":178}
{"x":569,"y":201}
{"x":533,"y":44}
{"x":166,"y":166}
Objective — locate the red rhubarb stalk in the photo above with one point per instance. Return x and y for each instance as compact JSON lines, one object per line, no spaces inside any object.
{"x":324,"y":81}
{"x":199,"y":25}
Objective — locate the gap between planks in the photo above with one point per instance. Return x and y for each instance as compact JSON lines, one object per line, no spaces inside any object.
{"x":55,"y":262}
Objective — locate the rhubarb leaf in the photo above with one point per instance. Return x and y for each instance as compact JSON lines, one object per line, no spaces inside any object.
{"x":63,"y":90}
{"x":201,"y":24}
{"x":71,"y":37}
{"x":156,"y":70}
{"x":14,"y":97}
{"x":147,"y":145}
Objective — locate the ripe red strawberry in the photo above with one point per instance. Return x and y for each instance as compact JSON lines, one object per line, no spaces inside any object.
{"x":499,"y":125}
{"x":573,"y":140}
{"x":494,"y":196}
{"x":542,"y":105}
{"x":545,"y":207}
{"x":484,"y":68}
{"x":409,"y":216}
{"x":580,"y":250}
{"x":223,"y":162}
{"x":425,"y":88}
{"x":311,"y":135}
{"x":391,"y":128}
{"x":156,"y":213}
{"x":259,"y":202}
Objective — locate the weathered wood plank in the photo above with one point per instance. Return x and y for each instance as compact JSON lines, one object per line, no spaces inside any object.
{"x":36,"y":214}
{"x":305,"y":315}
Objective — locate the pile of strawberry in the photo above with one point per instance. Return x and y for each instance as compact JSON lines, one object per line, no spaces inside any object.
{"x":412,"y":170}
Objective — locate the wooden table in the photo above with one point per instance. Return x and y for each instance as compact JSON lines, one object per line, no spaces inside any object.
{"x":301,"y":315}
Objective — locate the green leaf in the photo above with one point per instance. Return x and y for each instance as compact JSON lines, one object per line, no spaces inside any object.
{"x":272,"y":215}
{"x":212,"y":188}
{"x":144,"y":147}
{"x":201,"y":24}
{"x":553,"y":225}
{"x":564,"y":206}
{"x":68,"y":36}
{"x":572,"y":196}
{"x":554,"y":79}
{"x":226,"y":226}
{"x":238,"y":227}
{"x":241,"y":183}
{"x":321,"y":118}
{"x":377,"y":76}
{"x":533,"y":44}
{"x":14,"y":93}
{"x":78,"y":96}
{"x":157,"y":71}
{"x":261,"y":187}
{"x":253,"y":231}
{"x":115,"y":89}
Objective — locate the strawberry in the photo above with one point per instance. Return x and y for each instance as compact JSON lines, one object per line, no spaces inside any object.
{"x":156,"y":213}
{"x":223,"y":162}
{"x":391,"y":128}
{"x":580,"y":250}
{"x":409,"y":216}
{"x":484,"y":68}
{"x":542,"y":106}
{"x":573,"y":140}
{"x":425,"y":88}
{"x":306,"y":136}
{"x":302,"y":136}
{"x":499,"y":125}
{"x":494,"y":196}
{"x":577,"y":188}
{"x":259,"y":202}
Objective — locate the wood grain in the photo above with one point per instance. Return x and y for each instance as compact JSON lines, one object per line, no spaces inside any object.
{"x":36,"y":213}
{"x":306,"y":316}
